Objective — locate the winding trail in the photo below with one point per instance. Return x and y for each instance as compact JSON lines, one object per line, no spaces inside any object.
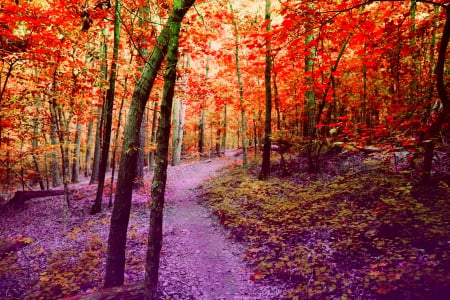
{"x":199,"y":261}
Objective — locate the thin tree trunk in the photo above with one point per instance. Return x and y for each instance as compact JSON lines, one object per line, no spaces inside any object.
{"x":277,"y":101}
{"x":96,"y":208}
{"x":444,"y":114}
{"x":116,"y":138}
{"x":139,"y":181}
{"x":177,"y":135}
{"x":160,"y":175}
{"x":2,"y":92}
{"x":224,"y":135}
{"x":115,"y":256}
{"x":153,"y":136}
{"x":35,"y":145}
{"x":87,"y":160}
{"x":99,"y":128}
{"x":175,"y":124}
{"x":201,"y":138}
{"x":265,"y":168}
{"x":241,"y":91}
{"x":76,"y":154}
{"x":56,"y":175}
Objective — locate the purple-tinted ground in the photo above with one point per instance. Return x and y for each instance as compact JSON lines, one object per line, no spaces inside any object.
{"x":199,"y":260}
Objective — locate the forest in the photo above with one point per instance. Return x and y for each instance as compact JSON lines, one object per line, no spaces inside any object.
{"x":224,"y":149}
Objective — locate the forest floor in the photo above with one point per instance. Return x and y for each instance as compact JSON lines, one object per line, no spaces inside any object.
{"x":199,"y":259}
{"x":362,"y":228}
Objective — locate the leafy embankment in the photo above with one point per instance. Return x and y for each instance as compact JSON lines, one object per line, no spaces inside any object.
{"x":369,"y":234}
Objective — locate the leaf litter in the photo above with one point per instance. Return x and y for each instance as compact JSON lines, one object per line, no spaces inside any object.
{"x":199,"y":258}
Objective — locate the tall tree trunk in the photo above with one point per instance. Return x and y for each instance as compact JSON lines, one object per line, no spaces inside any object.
{"x":2,"y":92}
{"x":35,"y":145}
{"x":115,"y":257}
{"x":97,"y":145}
{"x":444,"y":114}
{"x":277,"y":101}
{"x":241,"y":91}
{"x":139,"y":180}
{"x":108,"y":113}
{"x":76,"y":154}
{"x":177,"y":136}
{"x":116,"y":138}
{"x":162,"y":151}
{"x":202,"y":125}
{"x":224,"y":135}
{"x":87,"y":159}
{"x":265,"y":168}
{"x":99,"y":127}
{"x":364,"y":93}
{"x":54,"y":133}
{"x":56,"y":175}
{"x":175,"y":123}
{"x":153,"y":136}
{"x":179,"y":111}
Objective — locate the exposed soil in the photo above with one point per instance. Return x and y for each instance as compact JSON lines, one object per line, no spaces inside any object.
{"x":199,"y":260}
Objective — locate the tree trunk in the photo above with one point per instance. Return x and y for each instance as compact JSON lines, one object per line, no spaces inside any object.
{"x":96,"y":208}
{"x":98,"y":132}
{"x":87,"y":159}
{"x":179,"y":109}
{"x":139,"y":180}
{"x":115,"y":257}
{"x":2,"y":92}
{"x":153,"y":136}
{"x":444,"y":114}
{"x":76,"y":154}
{"x":202,"y":125}
{"x":277,"y":101}
{"x":35,"y":147}
{"x":175,"y":117}
{"x":224,"y":135}
{"x":116,"y":138}
{"x":56,"y":175}
{"x":241,"y":91}
{"x":265,"y":168}
{"x":160,"y":175}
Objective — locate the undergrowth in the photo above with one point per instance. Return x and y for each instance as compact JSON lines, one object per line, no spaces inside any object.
{"x":369,"y":234}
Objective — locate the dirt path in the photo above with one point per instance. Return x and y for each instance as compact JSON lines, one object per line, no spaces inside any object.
{"x":199,"y":261}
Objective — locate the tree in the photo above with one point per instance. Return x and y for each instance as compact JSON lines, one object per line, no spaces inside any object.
{"x":180,"y":7}
{"x":115,"y":260}
{"x":96,"y":208}
{"x":241,"y":89}
{"x":444,"y":113}
{"x":265,"y":168}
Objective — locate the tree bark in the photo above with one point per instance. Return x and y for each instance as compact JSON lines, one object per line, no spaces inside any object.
{"x":35,"y":148}
{"x":177,"y":136}
{"x":139,"y":180}
{"x":241,"y":91}
{"x":444,"y":114}
{"x":160,"y":175}
{"x":87,"y":158}
{"x":265,"y":168}
{"x":162,"y":151}
{"x":153,"y":136}
{"x":115,"y":257}
{"x":96,"y":208}
{"x":76,"y":154}
{"x":224,"y":127}
{"x":175,"y":123}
